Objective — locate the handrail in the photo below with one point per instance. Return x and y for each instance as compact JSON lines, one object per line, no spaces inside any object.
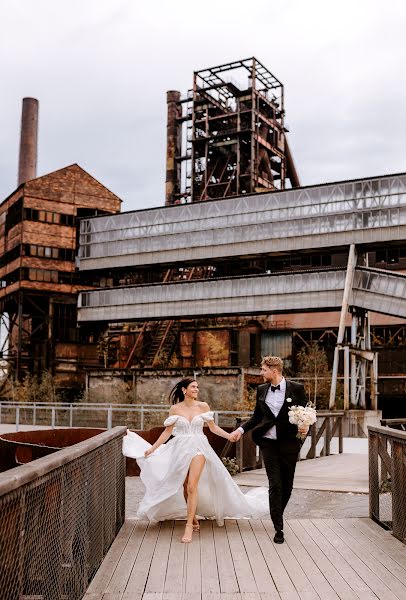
{"x":392,"y":422}
{"x":59,"y":515}
{"x":387,"y":479}
{"x":23,"y":474}
{"x":110,"y":409}
{"x":332,"y":424}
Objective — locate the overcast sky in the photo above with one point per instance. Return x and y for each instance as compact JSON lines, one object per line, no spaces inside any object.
{"x":101,"y":69}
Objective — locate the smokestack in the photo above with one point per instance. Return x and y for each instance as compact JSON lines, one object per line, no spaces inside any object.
{"x":27,"y":164}
{"x":173,"y":146}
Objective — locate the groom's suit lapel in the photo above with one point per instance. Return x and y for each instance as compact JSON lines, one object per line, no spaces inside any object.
{"x":265,"y":408}
{"x":285,"y":406}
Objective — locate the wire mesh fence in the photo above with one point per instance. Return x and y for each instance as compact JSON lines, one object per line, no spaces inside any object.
{"x":387,"y":479}
{"x":58,"y":517}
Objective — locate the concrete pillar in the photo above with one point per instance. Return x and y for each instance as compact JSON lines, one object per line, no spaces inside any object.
{"x":27,"y":164}
{"x":173,"y":147}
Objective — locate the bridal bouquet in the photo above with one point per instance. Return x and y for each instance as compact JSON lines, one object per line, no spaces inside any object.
{"x":302,"y":416}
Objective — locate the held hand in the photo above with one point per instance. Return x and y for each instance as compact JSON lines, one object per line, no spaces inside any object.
{"x":235,"y":436}
{"x":148,"y":452}
{"x":303,"y":430}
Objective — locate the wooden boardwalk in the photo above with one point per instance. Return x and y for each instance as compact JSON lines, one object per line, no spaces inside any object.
{"x":321,"y":559}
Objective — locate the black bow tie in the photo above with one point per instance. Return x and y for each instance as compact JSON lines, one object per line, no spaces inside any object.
{"x":275,"y":387}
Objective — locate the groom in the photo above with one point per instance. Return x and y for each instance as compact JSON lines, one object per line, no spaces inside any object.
{"x":275,"y":436}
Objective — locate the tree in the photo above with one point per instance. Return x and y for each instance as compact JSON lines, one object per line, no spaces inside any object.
{"x":313,"y":368}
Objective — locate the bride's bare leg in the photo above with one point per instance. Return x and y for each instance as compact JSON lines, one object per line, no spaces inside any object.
{"x":196,"y":525}
{"x":195,"y":470}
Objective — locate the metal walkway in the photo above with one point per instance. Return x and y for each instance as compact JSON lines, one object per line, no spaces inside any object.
{"x":325,"y":559}
{"x":325,"y":216}
{"x":373,"y":289}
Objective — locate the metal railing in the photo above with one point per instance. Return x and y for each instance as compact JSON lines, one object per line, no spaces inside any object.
{"x":387,"y":479}
{"x":394,"y":423}
{"x":58,"y":517}
{"x":331,"y":425}
{"x":140,"y":416}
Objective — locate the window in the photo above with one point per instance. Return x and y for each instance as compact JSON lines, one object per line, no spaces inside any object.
{"x":31,"y":214}
{"x":14,"y":214}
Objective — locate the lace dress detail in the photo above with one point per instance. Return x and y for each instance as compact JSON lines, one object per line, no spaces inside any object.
{"x":165,"y":471}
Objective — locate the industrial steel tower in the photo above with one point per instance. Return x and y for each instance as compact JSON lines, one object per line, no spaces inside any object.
{"x":227,"y":137}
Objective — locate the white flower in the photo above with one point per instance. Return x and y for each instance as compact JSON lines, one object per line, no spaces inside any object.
{"x":288,"y":399}
{"x":302,"y":416}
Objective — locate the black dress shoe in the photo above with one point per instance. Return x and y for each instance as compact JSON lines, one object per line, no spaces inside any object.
{"x":279,"y":539}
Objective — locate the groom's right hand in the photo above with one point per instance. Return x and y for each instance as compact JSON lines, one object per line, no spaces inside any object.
{"x":235,"y":436}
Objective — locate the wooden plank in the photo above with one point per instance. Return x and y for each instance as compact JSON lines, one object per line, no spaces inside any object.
{"x":358,"y":585}
{"x":299,"y":578}
{"x":110,"y":562}
{"x":383,"y":539}
{"x":242,"y":567}
{"x":391,"y":565}
{"x":157,"y":572}
{"x":227,"y":577}
{"x":334,"y":578}
{"x":122,"y":573}
{"x":193,"y":574}
{"x":210,"y":579}
{"x":263,"y":579}
{"x":366,"y":554}
{"x":139,"y":573}
{"x":345,"y":549}
{"x":279,"y":574}
{"x":120,"y":596}
{"x":174,"y":581}
{"x":310,"y":567}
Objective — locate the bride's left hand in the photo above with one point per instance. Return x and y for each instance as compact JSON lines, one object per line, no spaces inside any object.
{"x":148,"y":452}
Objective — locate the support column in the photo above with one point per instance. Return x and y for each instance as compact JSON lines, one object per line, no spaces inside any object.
{"x":346,"y":378}
{"x":354,"y":324}
{"x":352,"y":261}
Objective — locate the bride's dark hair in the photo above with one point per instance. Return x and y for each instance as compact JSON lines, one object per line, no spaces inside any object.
{"x":176,"y":394}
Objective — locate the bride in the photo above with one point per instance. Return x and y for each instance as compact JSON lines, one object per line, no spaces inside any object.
{"x":185,"y":477}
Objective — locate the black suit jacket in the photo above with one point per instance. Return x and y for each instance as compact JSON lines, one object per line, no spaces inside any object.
{"x":263,"y":418}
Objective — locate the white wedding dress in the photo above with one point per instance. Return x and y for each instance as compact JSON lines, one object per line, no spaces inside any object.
{"x":165,"y":471}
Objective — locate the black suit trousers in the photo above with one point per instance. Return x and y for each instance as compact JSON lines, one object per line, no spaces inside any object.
{"x":280,"y":459}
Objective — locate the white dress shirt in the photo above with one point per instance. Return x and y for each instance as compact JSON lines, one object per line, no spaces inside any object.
{"x":275,"y":401}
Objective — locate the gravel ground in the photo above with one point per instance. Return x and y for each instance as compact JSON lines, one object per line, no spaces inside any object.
{"x":309,"y":504}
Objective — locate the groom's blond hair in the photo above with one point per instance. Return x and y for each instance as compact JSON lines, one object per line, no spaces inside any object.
{"x":272,"y":362}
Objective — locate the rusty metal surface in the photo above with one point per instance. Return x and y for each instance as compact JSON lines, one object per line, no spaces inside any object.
{"x":21,"y":447}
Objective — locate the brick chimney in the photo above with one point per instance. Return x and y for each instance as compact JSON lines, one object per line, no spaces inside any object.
{"x":27,"y":164}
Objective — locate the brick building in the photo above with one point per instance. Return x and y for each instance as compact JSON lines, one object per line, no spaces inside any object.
{"x":39,"y":280}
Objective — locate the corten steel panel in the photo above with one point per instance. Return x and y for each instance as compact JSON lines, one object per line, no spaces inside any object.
{"x":354,"y":212}
{"x":379,"y":291}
